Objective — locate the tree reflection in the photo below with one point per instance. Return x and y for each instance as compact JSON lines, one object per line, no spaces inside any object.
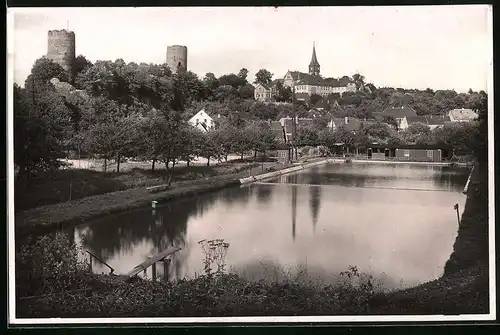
{"x":314,"y":200}
{"x":264,"y":192}
{"x":294,"y":209}
{"x":237,"y":195}
{"x":121,"y":233}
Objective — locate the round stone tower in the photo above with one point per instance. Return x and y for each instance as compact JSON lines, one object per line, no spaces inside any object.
{"x":177,"y":58}
{"x":61,"y":49}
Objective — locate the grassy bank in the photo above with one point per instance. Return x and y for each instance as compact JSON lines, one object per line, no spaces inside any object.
{"x":72,"y":184}
{"x":471,"y":245}
{"x":46,"y":218}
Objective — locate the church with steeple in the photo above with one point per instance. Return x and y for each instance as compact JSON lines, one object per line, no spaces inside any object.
{"x":314,"y":65}
{"x":306,"y":83}
{"x":313,"y":83}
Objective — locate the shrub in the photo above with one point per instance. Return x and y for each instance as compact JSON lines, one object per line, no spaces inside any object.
{"x":49,"y":264}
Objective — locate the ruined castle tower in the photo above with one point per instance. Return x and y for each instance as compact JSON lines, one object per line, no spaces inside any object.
{"x":177,"y":58}
{"x":61,"y":49}
{"x":314,"y":65}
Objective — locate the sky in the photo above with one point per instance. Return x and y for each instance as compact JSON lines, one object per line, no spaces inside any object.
{"x":440,"y":47}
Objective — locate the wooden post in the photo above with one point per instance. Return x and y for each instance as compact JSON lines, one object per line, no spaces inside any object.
{"x":166,"y":265}
{"x":153,"y":269}
{"x":458,"y":214}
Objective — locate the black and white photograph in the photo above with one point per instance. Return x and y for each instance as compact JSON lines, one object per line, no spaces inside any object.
{"x":184,"y":165}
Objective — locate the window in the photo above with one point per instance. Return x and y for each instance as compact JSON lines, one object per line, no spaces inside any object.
{"x":407,"y":153}
{"x":197,"y":121}
{"x":430,"y":153}
{"x":204,"y":120}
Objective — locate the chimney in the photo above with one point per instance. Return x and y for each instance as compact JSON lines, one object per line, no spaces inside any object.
{"x":346,"y":120}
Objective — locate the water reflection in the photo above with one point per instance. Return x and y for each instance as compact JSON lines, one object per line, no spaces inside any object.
{"x":294,"y":210}
{"x":337,"y":220}
{"x":387,"y":175}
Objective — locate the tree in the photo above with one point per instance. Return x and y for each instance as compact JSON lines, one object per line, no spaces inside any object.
{"x":306,"y":135}
{"x":243,"y":76}
{"x":314,"y":99}
{"x":246,"y":91}
{"x":390,"y":120}
{"x":263,"y":77}
{"x":44,"y":70}
{"x":260,"y":135}
{"x":284,"y":93}
{"x":359,"y":81}
{"x":41,"y":123}
{"x":80,"y":65}
{"x":233,"y":80}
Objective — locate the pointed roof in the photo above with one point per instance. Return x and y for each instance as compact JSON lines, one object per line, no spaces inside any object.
{"x":314,"y":60}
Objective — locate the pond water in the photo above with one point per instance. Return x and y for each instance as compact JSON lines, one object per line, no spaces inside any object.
{"x":390,"y":220}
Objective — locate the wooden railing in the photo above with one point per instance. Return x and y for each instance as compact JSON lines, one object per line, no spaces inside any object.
{"x":92,"y":256}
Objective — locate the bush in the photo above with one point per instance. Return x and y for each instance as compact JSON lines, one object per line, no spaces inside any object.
{"x":49,"y":264}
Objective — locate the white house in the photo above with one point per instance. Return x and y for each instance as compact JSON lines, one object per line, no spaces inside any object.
{"x":202,"y":121}
{"x":462,"y":115}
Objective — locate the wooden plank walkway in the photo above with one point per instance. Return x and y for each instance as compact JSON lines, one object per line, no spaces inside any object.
{"x":150,"y":261}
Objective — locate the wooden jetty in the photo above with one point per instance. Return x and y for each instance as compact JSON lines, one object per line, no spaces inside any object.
{"x":151,"y":261}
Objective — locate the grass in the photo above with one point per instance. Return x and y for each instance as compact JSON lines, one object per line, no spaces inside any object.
{"x":71,"y":184}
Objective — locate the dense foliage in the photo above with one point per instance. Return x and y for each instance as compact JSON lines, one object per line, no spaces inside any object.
{"x":118,"y":110}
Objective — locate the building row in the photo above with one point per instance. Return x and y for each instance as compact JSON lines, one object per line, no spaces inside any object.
{"x":404,"y":116}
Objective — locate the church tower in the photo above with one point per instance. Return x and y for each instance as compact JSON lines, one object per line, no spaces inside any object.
{"x":314,"y":65}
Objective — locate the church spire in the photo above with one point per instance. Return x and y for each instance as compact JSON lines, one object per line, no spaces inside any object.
{"x":314,"y":65}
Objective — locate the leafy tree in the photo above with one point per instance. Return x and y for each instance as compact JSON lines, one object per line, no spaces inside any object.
{"x":284,"y":93}
{"x":390,"y":120}
{"x":243,"y":75}
{"x":307,"y":135}
{"x":80,"y":65}
{"x":44,"y":70}
{"x":225,"y":93}
{"x":260,"y":135}
{"x":359,"y":81}
{"x":263,"y":77}
{"x":233,"y":80}
{"x":41,"y":126}
{"x":314,"y":99}
{"x":211,"y":81}
{"x":246,"y":91}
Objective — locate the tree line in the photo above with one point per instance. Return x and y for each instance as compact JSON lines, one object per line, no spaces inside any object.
{"x":116,"y":110}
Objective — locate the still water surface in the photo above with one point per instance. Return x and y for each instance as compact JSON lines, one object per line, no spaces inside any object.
{"x":392,"y":220}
